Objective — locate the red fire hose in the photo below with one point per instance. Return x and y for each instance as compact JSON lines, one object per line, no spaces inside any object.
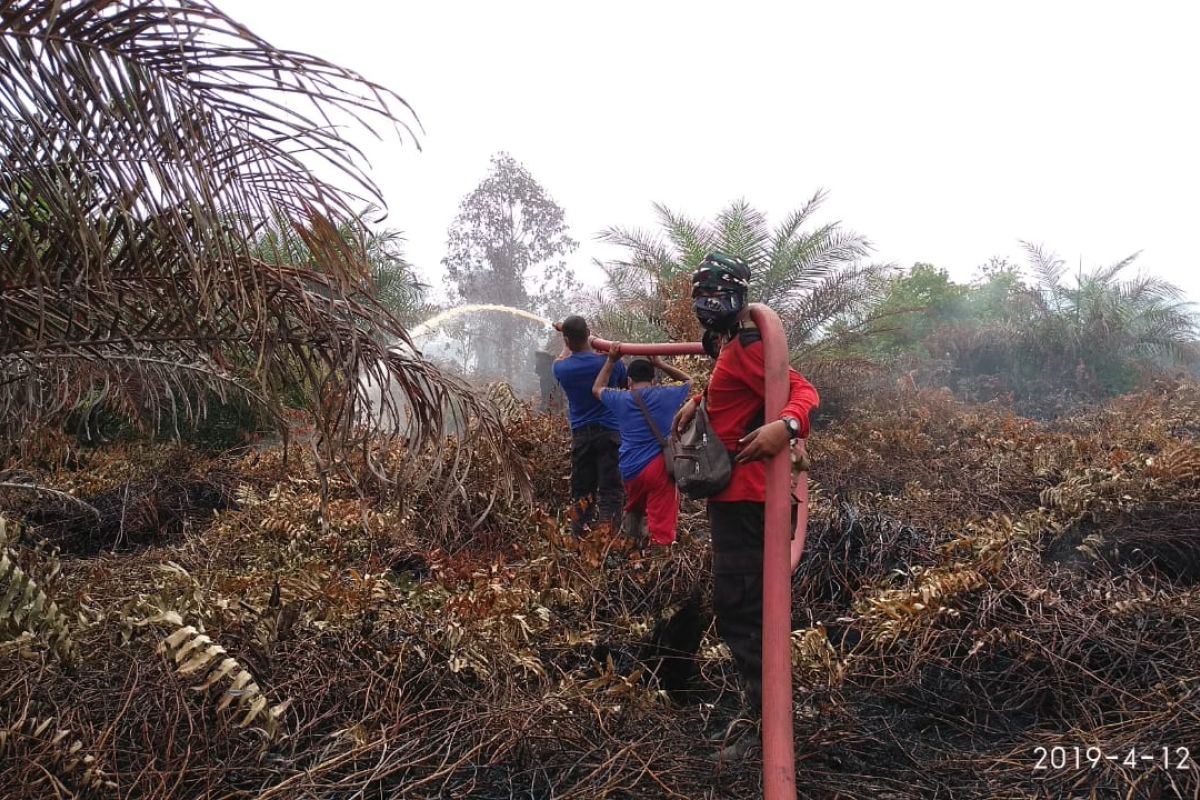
{"x":781,"y":553}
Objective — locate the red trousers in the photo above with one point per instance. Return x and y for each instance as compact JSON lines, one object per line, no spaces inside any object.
{"x":654,"y":494}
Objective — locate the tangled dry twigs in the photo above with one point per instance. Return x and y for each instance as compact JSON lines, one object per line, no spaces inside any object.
{"x":977,"y":587}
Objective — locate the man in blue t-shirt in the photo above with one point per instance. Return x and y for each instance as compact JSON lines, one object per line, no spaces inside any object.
{"x":649,"y":491}
{"x":595,"y":440}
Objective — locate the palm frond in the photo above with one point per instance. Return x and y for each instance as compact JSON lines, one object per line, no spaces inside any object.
{"x":144,"y":146}
{"x":1047,"y":267}
{"x":1106,"y":275}
{"x":785,"y":235}
{"x":741,"y":230}
{"x":810,"y":277}
{"x":1149,"y":288}
{"x":690,"y":240}
{"x":807,"y":260}
{"x":841,"y":295}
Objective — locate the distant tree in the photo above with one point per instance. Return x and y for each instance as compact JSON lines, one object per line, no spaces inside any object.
{"x":999,"y":293}
{"x":1041,"y":338}
{"x":915,"y":304}
{"x":508,"y":246}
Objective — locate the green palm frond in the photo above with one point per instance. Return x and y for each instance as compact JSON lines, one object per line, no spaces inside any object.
{"x":783,"y":239}
{"x":690,"y":240}
{"x":807,"y":260}
{"x":644,"y":248}
{"x":388,"y":277}
{"x":629,"y":285}
{"x":1105,"y":323}
{"x":1047,"y":267}
{"x":616,"y":324}
{"x":810,"y":276}
{"x":1148,"y":288}
{"x":841,"y":295}
{"x":1106,"y":275}
{"x":742,"y":231}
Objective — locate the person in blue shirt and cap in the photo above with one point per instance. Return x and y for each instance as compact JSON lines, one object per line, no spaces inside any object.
{"x":596,"y":488}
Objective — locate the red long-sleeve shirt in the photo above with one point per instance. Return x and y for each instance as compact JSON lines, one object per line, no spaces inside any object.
{"x":736,"y":393}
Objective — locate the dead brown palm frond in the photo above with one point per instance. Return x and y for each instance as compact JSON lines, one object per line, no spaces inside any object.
{"x":144,"y":144}
{"x":67,"y":755}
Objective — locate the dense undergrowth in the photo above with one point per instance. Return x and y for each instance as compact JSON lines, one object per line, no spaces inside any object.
{"x":976,"y":586}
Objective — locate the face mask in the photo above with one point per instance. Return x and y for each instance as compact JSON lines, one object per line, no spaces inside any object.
{"x":718,"y":312}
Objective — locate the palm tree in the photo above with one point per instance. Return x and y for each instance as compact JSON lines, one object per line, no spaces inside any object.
{"x":391,"y":278}
{"x":143,"y":148}
{"x":811,"y":277}
{"x":1106,"y":326}
{"x":395,"y":279}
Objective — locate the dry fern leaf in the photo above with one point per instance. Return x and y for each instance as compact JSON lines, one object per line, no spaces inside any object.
{"x":195,"y":653}
{"x":1090,"y":489}
{"x":8,"y":533}
{"x":1179,"y":464}
{"x":26,"y":607}
{"x":80,"y":768}
{"x":896,"y":610}
{"x":813,"y":658}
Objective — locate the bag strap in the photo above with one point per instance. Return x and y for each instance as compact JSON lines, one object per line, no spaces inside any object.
{"x":649,"y":419}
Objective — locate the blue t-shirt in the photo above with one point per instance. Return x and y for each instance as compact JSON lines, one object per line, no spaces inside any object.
{"x":576,"y":374}
{"x":639,"y":446}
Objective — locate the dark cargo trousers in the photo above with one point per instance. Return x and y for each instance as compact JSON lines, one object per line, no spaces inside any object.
{"x":596,"y":486}
{"x":737,"y":543}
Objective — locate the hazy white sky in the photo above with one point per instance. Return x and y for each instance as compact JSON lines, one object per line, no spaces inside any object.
{"x":945,"y":131}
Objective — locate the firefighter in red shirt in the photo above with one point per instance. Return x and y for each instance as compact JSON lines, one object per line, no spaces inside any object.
{"x":735,"y":407}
